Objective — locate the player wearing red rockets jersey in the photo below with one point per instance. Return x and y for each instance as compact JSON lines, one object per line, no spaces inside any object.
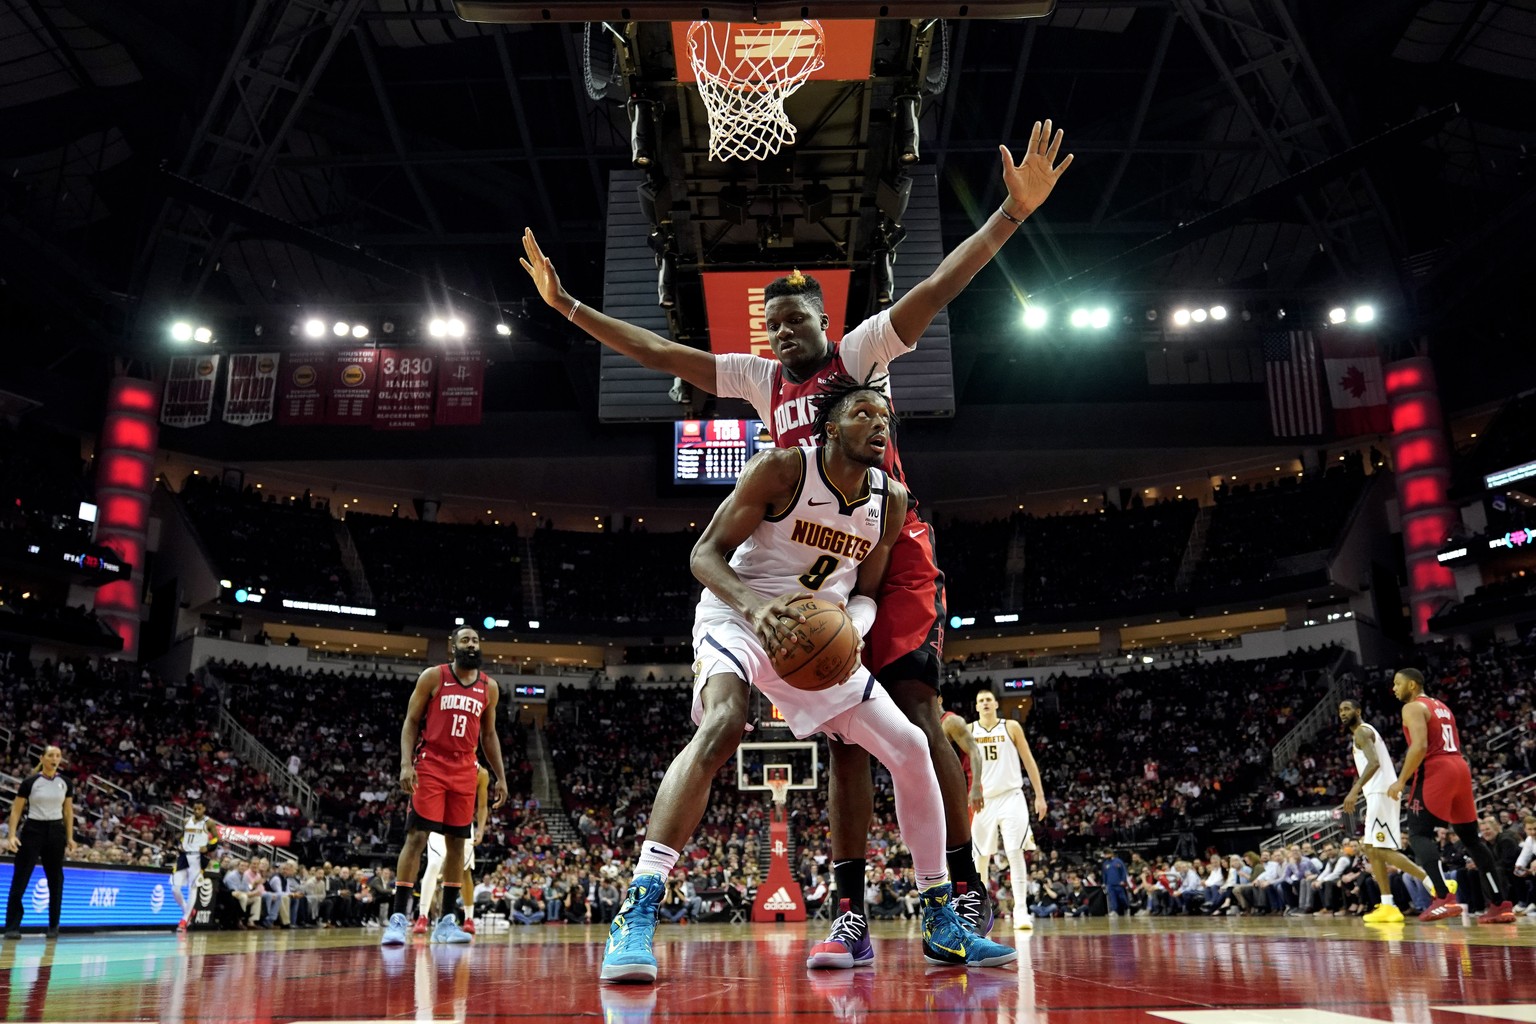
{"x":904,"y":646}
{"x":1441,"y":797}
{"x":451,"y":714}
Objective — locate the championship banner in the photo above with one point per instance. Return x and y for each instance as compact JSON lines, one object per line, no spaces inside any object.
{"x":734,"y":302}
{"x":252,"y":388}
{"x":349,"y":389}
{"x":259,"y":836}
{"x":301,"y":390}
{"x":460,"y":388}
{"x":189,"y":391}
{"x":404,"y":398}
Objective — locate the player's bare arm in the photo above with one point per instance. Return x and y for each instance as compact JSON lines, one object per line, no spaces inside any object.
{"x":1362,"y":738}
{"x":958,"y":733}
{"x":482,"y":804}
{"x":410,"y":730}
{"x":647,"y":348}
{"x":872,"y":569}
{"x":1029,"y":184}
{"x":1027,"y":757}
{"x":767,"y":484}
{"x":491,"y":741}
{"x":1416,"y":721}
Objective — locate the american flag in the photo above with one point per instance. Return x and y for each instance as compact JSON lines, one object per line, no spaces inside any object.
{"x":1292,"y":378}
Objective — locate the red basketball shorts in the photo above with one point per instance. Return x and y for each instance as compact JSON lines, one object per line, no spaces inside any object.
{"x":907,"y":639}
{"x":444,"y":800}
{"x":1443,"y":785}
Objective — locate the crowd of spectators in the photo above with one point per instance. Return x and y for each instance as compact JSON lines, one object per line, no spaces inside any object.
{"x":440,"y":569}
{"x":623,"y":577}
{"x":340,"y":733}
{"x":256,"y":541}
{"x":1253,"y":528}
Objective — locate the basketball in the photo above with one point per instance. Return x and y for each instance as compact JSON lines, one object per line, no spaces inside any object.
{"x":828,"y":649}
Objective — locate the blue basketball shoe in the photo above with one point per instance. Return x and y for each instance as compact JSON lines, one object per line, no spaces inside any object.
{"x":946,"y":940}
{"x":394,"y":931}
{"x":628,"y":956}
{"x":447,"y":930}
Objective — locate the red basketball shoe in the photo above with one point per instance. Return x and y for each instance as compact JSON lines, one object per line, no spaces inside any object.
{"x":468,"y":925}
{"x":1440,"y":908}
{"x":1498,"y":913}
{"x":421,"y":926}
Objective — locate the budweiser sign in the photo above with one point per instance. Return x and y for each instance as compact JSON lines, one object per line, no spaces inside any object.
{"x":256,"y":836}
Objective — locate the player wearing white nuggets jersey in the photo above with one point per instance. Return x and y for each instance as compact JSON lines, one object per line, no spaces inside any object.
{"x":199,"y":833}
{"x":1382,"y":839}
{"x":800,"y":521}
{"x":1004,"y":751}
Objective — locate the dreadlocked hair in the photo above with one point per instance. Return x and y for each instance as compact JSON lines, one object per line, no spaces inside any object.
{"x":795,"y":283}
{"x":839,"y":389}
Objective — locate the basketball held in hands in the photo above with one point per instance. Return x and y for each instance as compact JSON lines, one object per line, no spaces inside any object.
{"x":824,"y":650}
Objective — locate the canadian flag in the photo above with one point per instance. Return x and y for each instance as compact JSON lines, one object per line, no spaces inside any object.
{"x":1356,"y":384}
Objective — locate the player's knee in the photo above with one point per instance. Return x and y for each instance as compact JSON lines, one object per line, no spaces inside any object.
{"x":720,"y":732}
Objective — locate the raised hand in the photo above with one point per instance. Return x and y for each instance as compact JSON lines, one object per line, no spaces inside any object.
{"x":542,"y":270}
{"x":1030,"y":180}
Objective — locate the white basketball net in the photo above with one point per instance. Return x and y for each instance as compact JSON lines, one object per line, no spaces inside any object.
{"x":745,"y":73}
{"x":780,"y":790}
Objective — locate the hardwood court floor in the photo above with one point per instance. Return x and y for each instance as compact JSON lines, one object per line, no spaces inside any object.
{"x":1145,"y":970}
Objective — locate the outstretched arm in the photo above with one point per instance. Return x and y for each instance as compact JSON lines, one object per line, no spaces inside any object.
{"x":1029,"y":182}
{"x":647,"y":348}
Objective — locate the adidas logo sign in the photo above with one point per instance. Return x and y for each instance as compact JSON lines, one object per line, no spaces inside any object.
{"x":779,"y":901}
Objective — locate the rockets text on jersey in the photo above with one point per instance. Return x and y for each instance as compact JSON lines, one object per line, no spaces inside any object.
{"x":451,"y":732}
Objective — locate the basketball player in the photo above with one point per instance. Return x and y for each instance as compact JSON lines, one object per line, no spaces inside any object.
{"x":1442,"y":798}
{"x":457,"y":705}
{"x":1003,"y":749}
{"x":905,"y":646}
{"x":199,"y":833}
{"x":1374,"y":775}
{"x":437,"y":850}
{"x":805,"y":519}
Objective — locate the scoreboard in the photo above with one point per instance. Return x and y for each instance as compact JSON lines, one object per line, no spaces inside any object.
{"x":714,"y":452}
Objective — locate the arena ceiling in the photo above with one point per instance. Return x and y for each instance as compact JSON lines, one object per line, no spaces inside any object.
{"x":253,"y":160}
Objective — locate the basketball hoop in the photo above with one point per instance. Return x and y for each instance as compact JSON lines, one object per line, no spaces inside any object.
{"x":780,"y":790}
{"x":745,"y":73}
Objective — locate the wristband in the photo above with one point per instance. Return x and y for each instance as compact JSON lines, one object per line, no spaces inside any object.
{"x":575,"y":305}
{"x":1009,"y":216}
{"x":862,"y":611}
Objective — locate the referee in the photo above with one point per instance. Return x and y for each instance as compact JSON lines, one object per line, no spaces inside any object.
{"x":48,"y":799}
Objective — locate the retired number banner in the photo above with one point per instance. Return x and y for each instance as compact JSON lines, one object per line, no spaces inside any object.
{"x":404,"y":397}
{"x":189,"y":391}
{"x":252,"y":389}
{"x":460,"y":388}
{"x":349,"y":392}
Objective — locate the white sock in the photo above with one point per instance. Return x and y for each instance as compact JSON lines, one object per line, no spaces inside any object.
{"x":656,"y":859}
{"x":1387,"y":900}
{"x":1019,"y":871}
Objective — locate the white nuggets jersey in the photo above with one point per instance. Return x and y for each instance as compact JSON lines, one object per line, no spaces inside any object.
{"x":1385,"y":773}
{"x":1001,"y":771}
{"x":194,"y":835}
{"x":817,"y":543}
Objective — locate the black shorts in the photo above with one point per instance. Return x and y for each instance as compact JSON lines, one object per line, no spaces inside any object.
{"x":416,"y":823}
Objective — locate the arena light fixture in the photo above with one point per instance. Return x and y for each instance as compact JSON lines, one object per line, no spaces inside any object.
{"x":455,"y":327}
{"x":1099,"y":318}
{"x":1365,"y":313}
{"x":1036,"y":317}
{"x":1198,"y":315}
{"x":1218,"y":312}
{"x":1181,"y":318}
{"x":1337,"y":315}
{"x":181,"y":331}
{"x":359,"y":331}
{"x":203,"y":336}
{"x":1080,"y":318}
{"x":505,"y":330}
{"x":437,"y":327}
{"x":314,"y":327}
{"x":341,"y":328}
